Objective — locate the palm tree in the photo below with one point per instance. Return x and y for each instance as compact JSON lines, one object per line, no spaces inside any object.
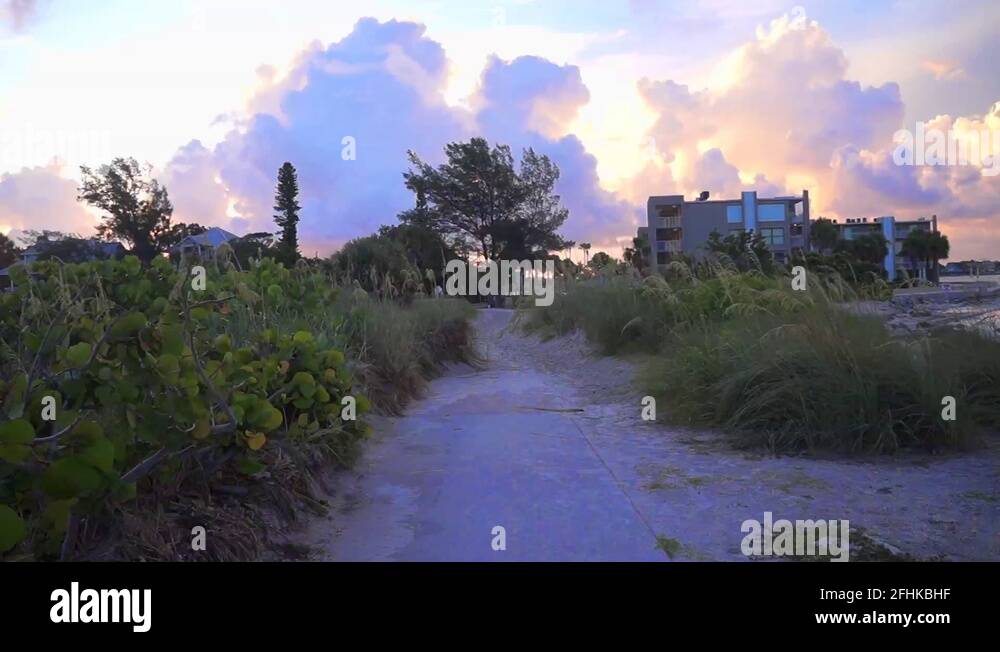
{"x":586,"y":251}
{"x":916,"y":247}
{"x":937,"y":248}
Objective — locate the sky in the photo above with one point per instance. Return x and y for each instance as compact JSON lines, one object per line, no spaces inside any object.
{"x":630,"y":98}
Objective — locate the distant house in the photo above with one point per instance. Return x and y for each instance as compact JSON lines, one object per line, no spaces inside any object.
{"x":74,"y":249}
{"x":204,"y":244}
{"x":69,"y":250}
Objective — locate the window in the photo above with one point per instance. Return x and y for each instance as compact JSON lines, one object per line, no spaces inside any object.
{"x":771,"y":213}
{"x":795,"y":229}
{"x":669,"y":234}
{"x":773,"y":236}
{"x":734,"y":214}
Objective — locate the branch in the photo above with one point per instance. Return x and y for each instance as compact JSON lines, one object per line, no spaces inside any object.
{"x":231,"y":424}
{"x":53,"y":437}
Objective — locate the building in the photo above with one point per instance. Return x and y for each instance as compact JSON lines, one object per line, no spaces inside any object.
{"x":68,"y":250}
{"x":677,"y":226}
{"x":80,"y":250}
{"x":204,"y":244}
{"x":895,"y":232}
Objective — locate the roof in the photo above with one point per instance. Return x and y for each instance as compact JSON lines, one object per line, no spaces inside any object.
{"x":212,"y":237}
{"x":96,"y":246}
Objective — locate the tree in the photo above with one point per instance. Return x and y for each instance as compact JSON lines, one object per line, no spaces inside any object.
{"x":254,"y":245}
{"x":870,"y":248}
{"x":424,"y":247}
{"x":372,"y":261}
{"x":9,"y":253}
{"x":172,"y":236}
{"x":938,"y":247}
{"x":481,"y":203}
{"x":531,"y":232}
{"x":586,"y":252}
{"x":137,"y":207}
{"x":927,"y":248}
{"x":286,"y":205}
{"x":636,"y":254}
{"x":824,"y":234}
{"x":67,"y":247}
{"x":600,"y":261}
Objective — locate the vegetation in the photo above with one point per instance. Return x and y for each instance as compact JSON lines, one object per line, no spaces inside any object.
{"x":745,"y":250}
{"x":401,"y":260}
{"x":478,"y":202}
{"x":132,"y":403}
{"x":792,"y":369}
{"x":926,"y":248}
{"x":137,"y":208}
{"x":638,"y":254}
{"x":286,"y":206}
{"x":9,"y":253}
{"x":824,"y":234}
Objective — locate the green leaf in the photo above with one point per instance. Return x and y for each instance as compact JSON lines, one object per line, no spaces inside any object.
{"x":169,"y":365}
{"x":12,"y":529}
{"x":78,"y":354}
{"x":88,"y":430}
{"x":18,"y":431}
{"x":131,"y":265}
{"x":302,"y":338}
{"x":100,"y":454}
{"x":303,"y":379}
{"x":128,"y":325}
{"x":172,"y":339}
{"x":69,"y":477}
{"x":273,"y":419}
{"x":14,"y":453}
{"x":57,"y":514}
{"x":247,"y":466}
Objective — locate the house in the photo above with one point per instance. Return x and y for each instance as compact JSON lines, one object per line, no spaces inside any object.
{"x":679,"y":226}
{"x":73,"y":250}
{"x":68,"y":250}
{"x":895,"y":232}
{"x":204,"y":244}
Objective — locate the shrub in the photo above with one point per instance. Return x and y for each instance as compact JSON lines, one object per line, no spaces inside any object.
{"x":741,"y":350}
{"x":153,"y":384}
{"x":829,"y":379}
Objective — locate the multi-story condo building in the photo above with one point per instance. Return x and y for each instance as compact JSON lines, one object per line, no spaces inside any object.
{"x":895,"y":232}
{"x":678,"y":226}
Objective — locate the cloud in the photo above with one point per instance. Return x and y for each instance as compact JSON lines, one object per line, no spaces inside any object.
{"x":381,"y":88}
{"x":196,"y":192}
{"x":712,"y":172}
{"x":40,"y":198}
{"x":966,"y":198}
{"x":378,"y":90}
{"x":531,"y":102}
{"x":943,"y":70}
{"x":786,"y":105}
{"x":17,"y":14}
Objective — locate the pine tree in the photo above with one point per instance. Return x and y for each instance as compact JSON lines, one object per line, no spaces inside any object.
{"x":286,"y":203}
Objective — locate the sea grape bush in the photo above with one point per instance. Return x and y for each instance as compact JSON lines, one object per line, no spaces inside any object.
{"x":111,"y":372}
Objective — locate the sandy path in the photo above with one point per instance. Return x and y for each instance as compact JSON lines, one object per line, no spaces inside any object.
{"x":547,"y":442}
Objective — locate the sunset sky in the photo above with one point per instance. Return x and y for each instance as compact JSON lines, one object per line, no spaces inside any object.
{"x":630,"y":98}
